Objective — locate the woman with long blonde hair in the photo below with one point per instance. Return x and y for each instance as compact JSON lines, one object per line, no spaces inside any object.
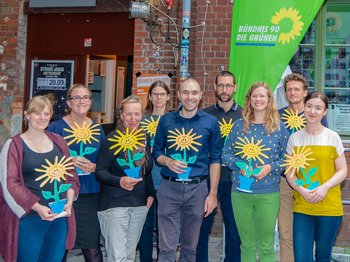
{"x":254,"y":152}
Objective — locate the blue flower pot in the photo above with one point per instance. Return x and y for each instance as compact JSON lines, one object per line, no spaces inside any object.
{"x":57,"y":206}
{"x":245,"y":183}
{"x":313,"y":185}
{"x":133,"y":172}
{"x":185,"y":175}
{"x":81,"y":172}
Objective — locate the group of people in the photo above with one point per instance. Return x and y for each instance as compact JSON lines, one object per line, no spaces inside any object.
{"x":167,"y":170}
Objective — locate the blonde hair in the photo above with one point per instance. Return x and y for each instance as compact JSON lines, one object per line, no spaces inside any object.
{"x":271,"y":118}
{"x":132,"y":99}
{"x":37,"y":104}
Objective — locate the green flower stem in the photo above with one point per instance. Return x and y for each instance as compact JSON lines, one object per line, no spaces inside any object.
{"x":56,"y":193}
{"x":249,"y":173}
{"x":184,"y":159}
{"x":81,"y":152}
{"x":305,"y":175}
{"x":130,"y":163}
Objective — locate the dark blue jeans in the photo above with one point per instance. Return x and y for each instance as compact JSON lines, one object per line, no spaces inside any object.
{"x":232,"y":240}
{"x":321,"y":230}
{"x":146,"y":240}
{"x":40,"y":240}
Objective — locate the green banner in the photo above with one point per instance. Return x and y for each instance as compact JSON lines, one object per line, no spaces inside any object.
{"x":265,"y":35}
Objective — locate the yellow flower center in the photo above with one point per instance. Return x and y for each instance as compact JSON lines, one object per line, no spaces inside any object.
{"x":83,"y":133}
{"x":184,"y":140}
{"x":128,"y":141}
{"x":152,"y":127}
{"x":56,"y":171}
{"x":225,"y":130}
{"x":296,"y":121}
{"x":251,"y":150}
{"x":297,"y":161}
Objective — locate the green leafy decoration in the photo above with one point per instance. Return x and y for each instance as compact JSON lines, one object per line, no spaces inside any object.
{"x":64,"y":187}
{"x":300,"y":182}
{"x":192,"y":159}
{"x":256,"y":171}
{"x":47,"y":194}
{"x":89,"y":150}
{"x":242,"y":165}
{"x":121,"y":161}
{"x":312,"y":171}
{"x":176,"y":157}
{"x":73,"y":153}
{"x":137,"y":156}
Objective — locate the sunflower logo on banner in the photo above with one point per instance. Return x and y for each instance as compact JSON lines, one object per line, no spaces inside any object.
{"x":150,"y":126}
{"x":268,"y":31}
{"x":225,"y":128}
{"x":250,"y":151}
{"x":298,"y":161}
{"x":82,"y":135}
{"x":128,"y":142}
{"x":54,"y":172}
{"x":184,"y":142}
{"x":293,"y":16}
{"x":293,"y":121}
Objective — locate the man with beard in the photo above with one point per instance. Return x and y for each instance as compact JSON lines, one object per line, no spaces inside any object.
{"x":188,"y":147}
{"x":226,"y":111}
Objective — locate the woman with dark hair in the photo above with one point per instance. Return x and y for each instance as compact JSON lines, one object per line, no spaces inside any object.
{"x":84,"y":138}
{"x":124,"y":170}
{"x":254,"y":152}
{"x":158,"y":104}
{"x":36,"y":169}
{"x":315,"y":167}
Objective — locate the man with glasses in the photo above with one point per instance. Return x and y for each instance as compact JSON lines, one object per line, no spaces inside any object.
{"x":188,"y":147}
{"x":226,"y":111}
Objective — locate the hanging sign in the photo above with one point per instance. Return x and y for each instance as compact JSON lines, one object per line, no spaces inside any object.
{"x":265,"y":35}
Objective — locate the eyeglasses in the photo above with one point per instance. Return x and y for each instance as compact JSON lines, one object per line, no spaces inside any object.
{"x":228,"y":86}
{"x":79,"y":98}
{"x":159,"y":94}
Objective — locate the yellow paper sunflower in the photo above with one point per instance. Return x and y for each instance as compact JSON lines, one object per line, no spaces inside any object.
{"x":184,"y":140}
{"x":293,"y":120}
{"x":251,"y":150}
{"x":55,"y":171}
{"x":150,"y":125}
{"x":82,"y":133}
{"x":298,"y":159}
{"x":225,"y":128}
{"x":128,"y":140}
{"x":293,"y":16}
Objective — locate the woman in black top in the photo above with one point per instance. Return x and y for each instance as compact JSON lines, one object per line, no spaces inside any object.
{"x":123,"y":168}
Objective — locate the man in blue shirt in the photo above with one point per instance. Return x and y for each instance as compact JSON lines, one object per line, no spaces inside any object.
{"x":296,"y":89}
{"x":227,"y":112}
{"x":188,"y":147}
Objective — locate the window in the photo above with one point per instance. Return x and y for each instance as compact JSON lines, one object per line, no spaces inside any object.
{"x":323,"y":57}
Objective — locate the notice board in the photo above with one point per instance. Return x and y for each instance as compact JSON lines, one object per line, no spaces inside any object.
{"x":52,"y":78}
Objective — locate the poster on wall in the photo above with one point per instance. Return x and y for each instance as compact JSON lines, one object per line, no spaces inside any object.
{"x":336,"y":115}
{"x":52,"y":78}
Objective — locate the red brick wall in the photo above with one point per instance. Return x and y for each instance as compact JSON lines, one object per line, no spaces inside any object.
{"x":214,"y":54}
{"x":12,"y":58}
